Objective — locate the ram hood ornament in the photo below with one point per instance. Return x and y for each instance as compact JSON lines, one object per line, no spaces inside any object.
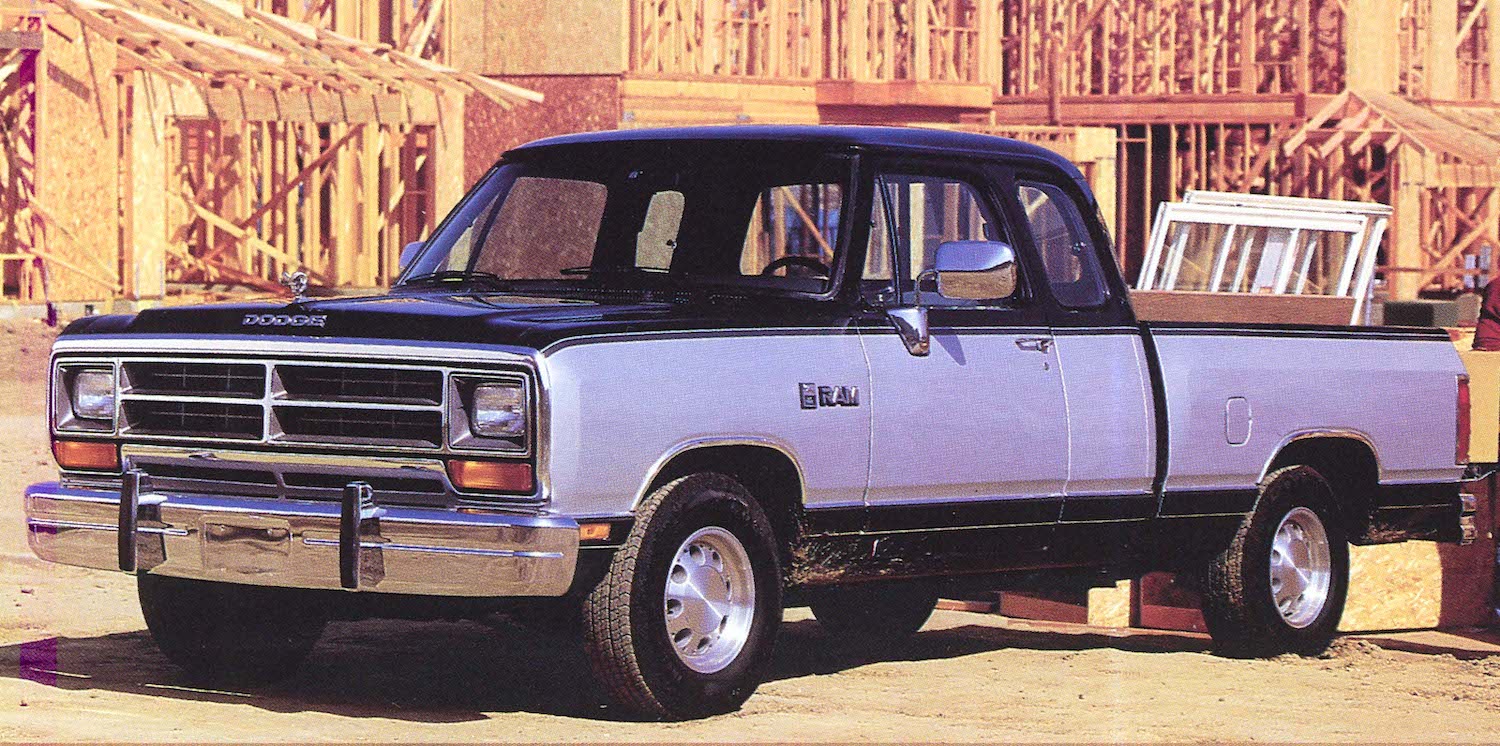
{"x":297,"y":283}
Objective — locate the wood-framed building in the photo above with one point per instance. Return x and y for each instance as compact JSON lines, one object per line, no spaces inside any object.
{"x":206,"y":141}
{"x":1391,"y":100}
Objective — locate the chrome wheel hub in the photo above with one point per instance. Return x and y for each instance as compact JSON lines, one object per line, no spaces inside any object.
{"x":709,"y":600}
{"x":1301,"y":567}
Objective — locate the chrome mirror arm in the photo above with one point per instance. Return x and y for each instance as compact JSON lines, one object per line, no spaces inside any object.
{"x":911,"y":321}
{"x":911,"y":326}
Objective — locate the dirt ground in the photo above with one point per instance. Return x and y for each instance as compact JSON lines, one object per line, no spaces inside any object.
{"x":77,"y":664}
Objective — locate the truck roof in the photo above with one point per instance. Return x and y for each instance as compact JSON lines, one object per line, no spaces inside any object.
{"x":915,"y":139}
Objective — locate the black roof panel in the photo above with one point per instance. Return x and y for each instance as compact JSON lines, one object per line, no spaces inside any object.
{"x":882,"y":138}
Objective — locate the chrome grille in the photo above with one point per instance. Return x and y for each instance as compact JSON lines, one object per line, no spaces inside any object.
{"x":392,"y":386}
{"x":186,"y":418}
{"x":363,"y":405}
{"x":246,"y":380}
{"x":407,"y":427}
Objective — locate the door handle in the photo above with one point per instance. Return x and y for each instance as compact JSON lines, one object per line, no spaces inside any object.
{"x":1035,"y":344}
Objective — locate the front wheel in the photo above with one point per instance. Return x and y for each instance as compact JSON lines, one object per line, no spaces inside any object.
{"x":1280,"y":585}
{"x":684,"y":621}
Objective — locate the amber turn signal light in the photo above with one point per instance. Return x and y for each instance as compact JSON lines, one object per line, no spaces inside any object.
{"x":491,"y":476}
{"x":593,"y":532}
{"x":86,"y":454}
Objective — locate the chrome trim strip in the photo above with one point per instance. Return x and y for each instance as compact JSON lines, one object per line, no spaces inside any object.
{"x":314,"y":542}
{"x":906,"y":502}
{"x":110,"y":527}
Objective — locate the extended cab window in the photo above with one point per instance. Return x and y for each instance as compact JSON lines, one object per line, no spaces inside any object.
{"x":792,"y":231}
{"x":913,"y":215}
{"x":1062,"y":238}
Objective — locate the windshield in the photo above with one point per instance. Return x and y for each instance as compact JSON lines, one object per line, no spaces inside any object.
{"x":674,"y":216}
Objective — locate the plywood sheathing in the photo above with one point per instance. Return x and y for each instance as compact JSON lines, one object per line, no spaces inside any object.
{"x":21,"y":232}
{"x":77,"y":157}
{"x":536,"y":37}
{"x":575,"y":103}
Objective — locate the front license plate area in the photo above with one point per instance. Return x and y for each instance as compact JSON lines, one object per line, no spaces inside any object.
{"x":246,"y":545}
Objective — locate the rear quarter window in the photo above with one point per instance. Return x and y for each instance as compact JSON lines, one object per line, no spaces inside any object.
{"x":1062,"y":239}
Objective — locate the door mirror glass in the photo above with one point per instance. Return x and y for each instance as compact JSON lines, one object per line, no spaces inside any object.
{"x":408,"y":253}
{"x":975,"y":270}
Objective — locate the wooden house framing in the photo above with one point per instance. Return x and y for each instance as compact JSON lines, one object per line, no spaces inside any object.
{"x":1293,"y":97}
{"x":206,"y":141}
{"x":1386,"y":100}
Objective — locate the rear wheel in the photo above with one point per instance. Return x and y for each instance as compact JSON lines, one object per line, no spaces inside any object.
{"x":222,"y":632}
{"x":684,"y":621}
{"x":1280,"y":585}
{"x":872,"y":617}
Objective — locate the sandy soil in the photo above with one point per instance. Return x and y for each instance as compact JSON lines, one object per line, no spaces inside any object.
{"x":77,"y":664}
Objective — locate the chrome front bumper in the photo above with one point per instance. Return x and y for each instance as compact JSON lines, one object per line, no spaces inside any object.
{"x":354,"y":545}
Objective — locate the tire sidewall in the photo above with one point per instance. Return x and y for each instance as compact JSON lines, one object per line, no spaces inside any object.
{"x":1290,"y":489}
{"x":697,"y":502}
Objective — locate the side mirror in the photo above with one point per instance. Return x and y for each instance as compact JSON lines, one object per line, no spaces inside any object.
{"x":975,"y":270}
{"x":408,"y":253}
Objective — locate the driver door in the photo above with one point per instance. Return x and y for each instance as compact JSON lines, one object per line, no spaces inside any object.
{"x":974,"y":434}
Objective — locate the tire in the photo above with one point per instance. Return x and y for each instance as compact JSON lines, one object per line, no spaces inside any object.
{"x":227,"y":633}
{"x":872,"y":617}
{"x":657,"y":649}
{"x":1280,"y":585}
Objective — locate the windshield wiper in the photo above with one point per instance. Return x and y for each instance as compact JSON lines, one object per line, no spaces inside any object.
{"x":570,"y":271}
{"x":462,"y":275}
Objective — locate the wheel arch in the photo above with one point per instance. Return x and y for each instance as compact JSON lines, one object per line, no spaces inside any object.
{"x":1350,"y":463}
{"x":769,"y":470}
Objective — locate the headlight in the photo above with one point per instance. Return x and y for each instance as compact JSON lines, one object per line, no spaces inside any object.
{"x":495,"y":413}
{"x":499,"y":410}
{"x":94,"y":394}
{"x":84,"y":398}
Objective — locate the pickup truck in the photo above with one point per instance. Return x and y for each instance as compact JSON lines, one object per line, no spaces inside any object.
{"x":657,"y":385}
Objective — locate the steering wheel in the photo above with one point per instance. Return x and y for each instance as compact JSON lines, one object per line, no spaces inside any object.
{"x":820,"y":269}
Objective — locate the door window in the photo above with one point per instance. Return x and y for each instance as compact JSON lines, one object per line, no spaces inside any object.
{"x":913,"y":215}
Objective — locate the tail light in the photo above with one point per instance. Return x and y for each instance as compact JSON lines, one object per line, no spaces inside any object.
{"x":1461,"y":453}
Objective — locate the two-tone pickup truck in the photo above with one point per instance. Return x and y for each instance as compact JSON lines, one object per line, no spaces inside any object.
{"x":675,"y":380}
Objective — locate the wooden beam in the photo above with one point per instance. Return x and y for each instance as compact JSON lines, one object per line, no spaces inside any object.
{"x":1329,"y":110}
{"x":1468,"y":25}
{"x":284,"y":190}
{"x":1169,"y":109}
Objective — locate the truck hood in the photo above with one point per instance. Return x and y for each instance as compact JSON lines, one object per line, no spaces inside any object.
{"x":481,"y":318}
